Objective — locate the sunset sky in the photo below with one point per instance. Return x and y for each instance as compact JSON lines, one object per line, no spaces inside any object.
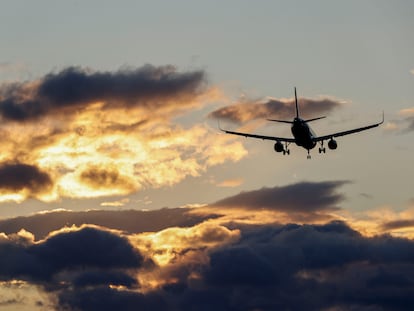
{"x":119,"y":192}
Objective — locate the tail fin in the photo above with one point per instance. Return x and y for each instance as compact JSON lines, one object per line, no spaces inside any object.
{"x":297,"y":112}
{"x":296,"y":103}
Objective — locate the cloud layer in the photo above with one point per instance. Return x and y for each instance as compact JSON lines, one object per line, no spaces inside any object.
{"x":74,"y":87}
{"x":176,"y":260}
{"x":208,"y":266}
{"x":304,"y":196}
{"x":129,"y":221}
{"x":81,"y":133}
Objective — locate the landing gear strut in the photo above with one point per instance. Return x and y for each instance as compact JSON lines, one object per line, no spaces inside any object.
{"x":309,"y":156}
{"x":322,"y":149}
{"x":286,"y":150}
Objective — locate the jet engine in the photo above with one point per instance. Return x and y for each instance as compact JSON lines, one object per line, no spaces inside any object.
{"x":279,"y":147}
{"x":332,"y":144}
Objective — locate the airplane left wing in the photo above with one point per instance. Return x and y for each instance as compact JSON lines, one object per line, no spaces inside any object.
{"x":338,"y":134}
{"x":264,"y":137}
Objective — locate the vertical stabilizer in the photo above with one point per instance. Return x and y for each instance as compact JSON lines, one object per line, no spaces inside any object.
{"x":296,"y":103}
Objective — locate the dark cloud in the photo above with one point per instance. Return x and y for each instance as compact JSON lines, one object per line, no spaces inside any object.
{"x":274,"y":108}
{"x":87,"y":248}
{"x":100,"y":178}
{"x":78,"y":267}
{"x":270,"y":267}
{"x":398,"y":224}
{"x":147,"y":86}
{"x":312,"y":267}
{"x":304,"y":197}
{"x":130,"y":221}
{"x":19,"y":176}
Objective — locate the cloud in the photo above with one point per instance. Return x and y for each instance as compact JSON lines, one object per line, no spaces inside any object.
{"x":235,"y":182}
{"x":404,"y":124}
{"x":406,"y":112}
{"x":24,"y":180}
{"x":169,"y":243}
{"x":303,"y":196}
{"x":117,"y":203}
{"x":398,"y":224}
{"x":292,"y":266}
{"x":275,"y":108}
{"x":129,"y":221}
{"x":99,"y":134}
{"x":314,"y":268}
{"x":74,"y":87}
{"x":108,"y":178}
{"x":68,"y":261}
{"x":87,"y":247}
{"x":20,"y":176}
{"x":303,"y":202}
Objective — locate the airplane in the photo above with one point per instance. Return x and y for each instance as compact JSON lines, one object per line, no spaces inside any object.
{"x":303,"y":135}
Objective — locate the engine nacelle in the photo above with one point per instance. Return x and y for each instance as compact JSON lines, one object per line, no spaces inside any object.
{"x":279,"y":147}
{"x":332,"y":144}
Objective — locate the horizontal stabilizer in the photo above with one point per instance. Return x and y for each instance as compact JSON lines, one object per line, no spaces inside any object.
{"x":314,"y":119}
{"x":281,"y":121}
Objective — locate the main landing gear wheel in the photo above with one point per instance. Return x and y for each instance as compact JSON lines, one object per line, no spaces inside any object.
{"x":322,"y":150}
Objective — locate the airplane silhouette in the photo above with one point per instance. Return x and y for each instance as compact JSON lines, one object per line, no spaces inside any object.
{"x":303,"y":135}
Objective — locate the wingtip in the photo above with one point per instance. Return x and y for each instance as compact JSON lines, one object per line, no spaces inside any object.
{"x":219,"y":126}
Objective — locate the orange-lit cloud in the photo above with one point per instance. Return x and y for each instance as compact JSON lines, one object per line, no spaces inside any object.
{"x":406,"y":112}
{"x":165,"y":245}
{"x":235,"y":182}
{"x":118,"y":203}
{"x":109,"y":133}
{"x":383,"y":220}
{"x":391,"y":126}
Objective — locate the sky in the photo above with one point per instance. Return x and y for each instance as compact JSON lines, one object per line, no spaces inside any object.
{"x":119,"y":191}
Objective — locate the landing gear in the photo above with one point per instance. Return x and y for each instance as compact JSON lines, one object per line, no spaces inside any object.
{"x":309,"y":156}
{"x":322,"y":149}
{"x":286,"y":150}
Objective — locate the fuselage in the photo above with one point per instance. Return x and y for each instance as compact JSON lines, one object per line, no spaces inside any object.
{"x":303,"y":134}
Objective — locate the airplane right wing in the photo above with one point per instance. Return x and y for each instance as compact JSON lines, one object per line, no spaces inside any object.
{"x":356,"y":130}
{"x":264,"y":137}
